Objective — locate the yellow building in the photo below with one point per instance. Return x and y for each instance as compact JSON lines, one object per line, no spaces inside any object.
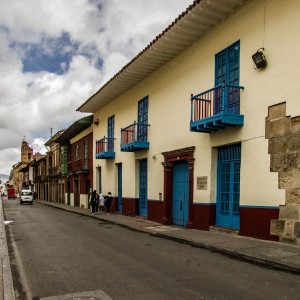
{"x":183,"y":137}
{"x":18,"y":178}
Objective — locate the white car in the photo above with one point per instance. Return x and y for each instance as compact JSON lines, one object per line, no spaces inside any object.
{"x":26,"y":196}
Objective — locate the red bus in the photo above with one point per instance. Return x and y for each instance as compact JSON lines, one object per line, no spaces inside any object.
{"x":11,"y":193}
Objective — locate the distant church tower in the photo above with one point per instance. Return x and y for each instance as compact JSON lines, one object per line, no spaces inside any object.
{"x":26,"y":152}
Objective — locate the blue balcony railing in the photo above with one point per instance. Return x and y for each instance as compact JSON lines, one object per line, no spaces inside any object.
{"x":105,"y":148}
{"x":216,"y":109}
{"x":134,"y":137}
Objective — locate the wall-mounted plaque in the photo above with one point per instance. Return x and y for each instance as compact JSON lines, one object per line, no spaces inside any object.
{"x":202,"y":183}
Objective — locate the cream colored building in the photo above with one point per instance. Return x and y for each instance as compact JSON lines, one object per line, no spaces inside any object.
{"x":203,"y":161}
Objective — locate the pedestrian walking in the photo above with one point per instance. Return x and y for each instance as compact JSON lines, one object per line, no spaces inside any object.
{"x":93,"y":201}
{"x":108,"y":200}
{"x":90,"y":199}
{"x":97,"y":203}
{"x":101,"y":203}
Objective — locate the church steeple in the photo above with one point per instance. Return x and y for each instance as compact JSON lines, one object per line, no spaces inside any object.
{"x":26,"y":152}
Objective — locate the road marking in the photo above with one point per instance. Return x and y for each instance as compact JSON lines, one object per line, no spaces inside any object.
{"x":8,"y":222}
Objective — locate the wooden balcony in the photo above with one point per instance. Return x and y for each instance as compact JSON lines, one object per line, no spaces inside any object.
{"x":44,"y":177}
{"x":37,"y":178}
{"x":54,"y":171}
{"x":134,"y":137}
{"x":105,"y":148}
{"x":64,"y":169}
{"x":216,"y":109}
{"x":78,"y":166}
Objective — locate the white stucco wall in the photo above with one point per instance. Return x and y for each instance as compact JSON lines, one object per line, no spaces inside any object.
{"x":273,"y":26}
{"x":71,"y":199}
{"x":83,"y":200}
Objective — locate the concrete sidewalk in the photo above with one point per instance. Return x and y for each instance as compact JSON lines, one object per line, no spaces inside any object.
{"x":6,"y":286}
{"x":267,"y":253}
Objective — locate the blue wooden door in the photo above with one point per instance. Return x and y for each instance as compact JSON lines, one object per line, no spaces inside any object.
{"x":228,"y":73}
{"x":119,"y":187}
{"x":228,"y":186}
{"x":180,"y":204}
{"x":143,"y":202}
{"x":142,"y":120}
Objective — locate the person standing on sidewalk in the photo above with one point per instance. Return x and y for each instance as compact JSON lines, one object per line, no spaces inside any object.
{"x":90,"y":199}
{"x":108,"y":200}
{"x":97,"y":203}
{"x":101,"y":203}
{"x":93,"y":201}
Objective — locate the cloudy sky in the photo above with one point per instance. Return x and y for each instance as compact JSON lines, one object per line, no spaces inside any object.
{"x":55,"y":54}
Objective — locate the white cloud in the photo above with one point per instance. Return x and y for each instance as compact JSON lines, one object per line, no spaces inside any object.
{"x":102,"y":36}
{"x":38,"y":145}
{"x":9,"y":157}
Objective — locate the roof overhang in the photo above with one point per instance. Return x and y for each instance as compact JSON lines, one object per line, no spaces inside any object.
{"x":24,"y":168}
{"x":190,"y":26}
{"x":77,"y":127}
{"x":51,"y":141}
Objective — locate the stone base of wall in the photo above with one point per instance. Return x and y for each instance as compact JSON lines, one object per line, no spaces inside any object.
{"x":287,"y":230}
{"x":283,"y":133}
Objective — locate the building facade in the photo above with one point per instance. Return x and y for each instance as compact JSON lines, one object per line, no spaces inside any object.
{"x":38,"y":166}
{"x":19,"y":176}
{"x":55,"y":182}
{"x":183,"y":137}
{"x":76,"y":144}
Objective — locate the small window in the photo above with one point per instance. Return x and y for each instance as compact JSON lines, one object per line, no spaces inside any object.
{"x":86,"y":149}
{"x":76,"y":151}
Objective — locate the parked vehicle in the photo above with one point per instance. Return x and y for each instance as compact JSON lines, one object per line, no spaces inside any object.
{"x":11,"y":193}
{"x":26,"y":197}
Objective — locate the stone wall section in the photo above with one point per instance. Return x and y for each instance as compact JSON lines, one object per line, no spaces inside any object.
{"x":283,"y":133}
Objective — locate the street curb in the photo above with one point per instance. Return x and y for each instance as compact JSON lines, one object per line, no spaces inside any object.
{"x":225,"y":251}
{"x":233,"y":254}
{"x":7,"y":283}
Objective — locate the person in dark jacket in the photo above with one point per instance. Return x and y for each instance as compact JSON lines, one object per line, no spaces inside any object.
{"x":97,"y":203}
{"x":93,"y":201}
{"x":108,"y":200}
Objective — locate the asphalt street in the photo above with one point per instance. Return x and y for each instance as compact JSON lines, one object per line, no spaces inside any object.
{"x":54,"y":252}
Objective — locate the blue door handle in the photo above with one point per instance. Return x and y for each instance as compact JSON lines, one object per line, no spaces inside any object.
{"x":180,"y":205}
